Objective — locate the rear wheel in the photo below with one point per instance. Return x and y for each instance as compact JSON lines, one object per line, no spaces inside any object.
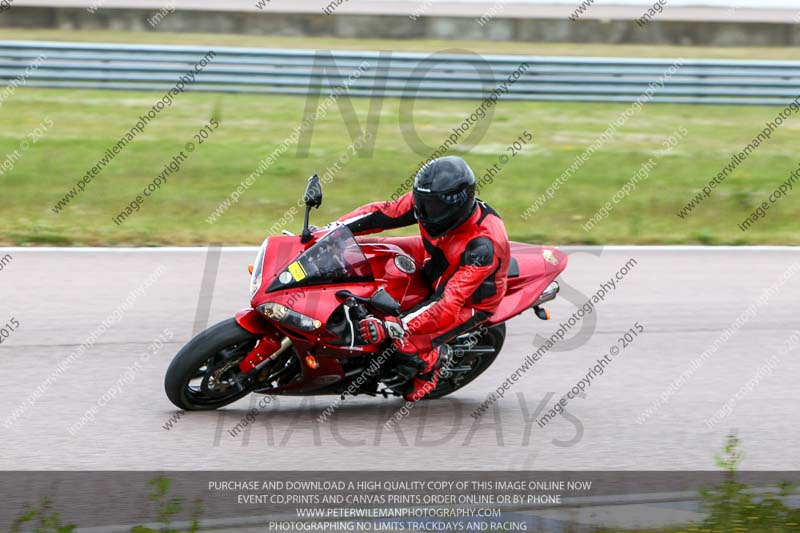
{"x":205,"y":374}
{"x":472,"y":355}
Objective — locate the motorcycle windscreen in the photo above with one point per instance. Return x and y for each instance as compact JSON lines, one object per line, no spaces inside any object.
{"x":336,"y":258}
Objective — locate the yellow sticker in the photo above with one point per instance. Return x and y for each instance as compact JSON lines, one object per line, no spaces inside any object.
{"x":297,"y":272}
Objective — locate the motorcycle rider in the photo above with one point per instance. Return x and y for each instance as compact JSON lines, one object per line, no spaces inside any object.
{"x":463,"y":247}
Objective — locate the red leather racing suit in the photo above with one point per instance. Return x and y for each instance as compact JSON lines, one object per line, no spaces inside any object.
{"x":466,"y":267}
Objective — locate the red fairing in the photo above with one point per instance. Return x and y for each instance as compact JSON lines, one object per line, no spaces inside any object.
{"x":265,"y":347}
{"x":253,"y":321}
{"x":538,"y":267}
{"x":409,"y":289}
{"x":281,"y":250}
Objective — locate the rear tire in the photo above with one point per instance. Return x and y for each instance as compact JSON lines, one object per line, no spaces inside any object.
{"x":218,"y":350}
{"x":494,"y":337}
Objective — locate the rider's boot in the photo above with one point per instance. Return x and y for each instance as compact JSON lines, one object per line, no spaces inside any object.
{"x":425,"y":382}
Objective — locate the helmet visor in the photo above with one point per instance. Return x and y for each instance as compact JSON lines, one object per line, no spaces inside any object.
{"x":438,"y":207}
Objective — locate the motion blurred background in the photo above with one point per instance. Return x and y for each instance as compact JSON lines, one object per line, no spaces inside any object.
{"x":61,"y":113}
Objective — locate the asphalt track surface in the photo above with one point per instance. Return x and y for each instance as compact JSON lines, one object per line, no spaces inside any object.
{"x":683,"y":297}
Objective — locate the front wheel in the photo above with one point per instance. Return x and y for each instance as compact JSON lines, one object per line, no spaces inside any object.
{"x":205,"y":374}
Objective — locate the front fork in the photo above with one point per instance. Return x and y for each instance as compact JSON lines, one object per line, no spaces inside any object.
{"x":316,"y":372}
{"x":271,"y":344}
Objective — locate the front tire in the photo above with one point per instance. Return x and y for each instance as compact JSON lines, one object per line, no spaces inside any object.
{"x":205,"y":375}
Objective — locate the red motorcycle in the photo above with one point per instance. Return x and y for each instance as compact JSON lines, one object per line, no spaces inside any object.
{"x":307,"y":293}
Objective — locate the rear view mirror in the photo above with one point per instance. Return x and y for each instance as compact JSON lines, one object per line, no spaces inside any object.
{"x":313,"y":198}
{"x":313,"y":195}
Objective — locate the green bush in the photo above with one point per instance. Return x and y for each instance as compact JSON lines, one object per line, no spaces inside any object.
{"x":167,"y":508}
{"x":46,"y":522}
{"x":733,"y":506}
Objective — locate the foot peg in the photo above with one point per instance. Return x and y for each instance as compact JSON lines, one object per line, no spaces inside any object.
{"x":395,"y":380}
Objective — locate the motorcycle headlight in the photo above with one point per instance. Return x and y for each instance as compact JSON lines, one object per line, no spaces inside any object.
{"x":255,"y":283}
{"x":258,"y":265}
{"x":289,"y":317}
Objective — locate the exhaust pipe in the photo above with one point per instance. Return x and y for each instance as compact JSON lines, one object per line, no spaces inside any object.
{"x":548,"y":295}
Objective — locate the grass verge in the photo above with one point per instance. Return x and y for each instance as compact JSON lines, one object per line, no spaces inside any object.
{"x":86,"y":123}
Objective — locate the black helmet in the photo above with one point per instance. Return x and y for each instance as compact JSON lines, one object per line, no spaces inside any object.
{"x":444,"y":194}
